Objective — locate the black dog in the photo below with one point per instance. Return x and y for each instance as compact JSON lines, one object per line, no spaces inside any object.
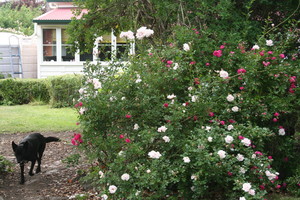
{"x":31,"y":148}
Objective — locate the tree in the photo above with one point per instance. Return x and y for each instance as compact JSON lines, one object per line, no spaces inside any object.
{"x":223,"y":19}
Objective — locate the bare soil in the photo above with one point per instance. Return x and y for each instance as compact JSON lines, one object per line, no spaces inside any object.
{"x":55,"y":182}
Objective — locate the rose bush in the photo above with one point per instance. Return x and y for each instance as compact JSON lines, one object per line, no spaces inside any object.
{"x":190,"y":120}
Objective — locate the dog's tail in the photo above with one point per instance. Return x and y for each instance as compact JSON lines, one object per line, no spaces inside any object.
{"x":51,"y":139}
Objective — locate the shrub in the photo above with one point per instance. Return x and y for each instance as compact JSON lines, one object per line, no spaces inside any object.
{"x":23,"y":91}
{"x":191,"y":120}
{"x":63,"y":89}
{"x":293,"y":183}
{"x":5,"y":165}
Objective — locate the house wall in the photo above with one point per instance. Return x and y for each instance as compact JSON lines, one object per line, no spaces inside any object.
{"x":54,"y":69}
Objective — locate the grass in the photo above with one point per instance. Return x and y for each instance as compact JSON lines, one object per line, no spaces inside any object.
{"x":40,"y":118}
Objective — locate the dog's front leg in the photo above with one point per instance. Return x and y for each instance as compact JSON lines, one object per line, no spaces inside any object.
{"x":22,"y":173}
{"x":31,"y":168}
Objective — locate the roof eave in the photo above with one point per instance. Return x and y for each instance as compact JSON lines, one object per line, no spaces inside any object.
{"x":51,"y":21}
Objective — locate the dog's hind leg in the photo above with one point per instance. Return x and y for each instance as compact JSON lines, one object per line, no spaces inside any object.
{"x":31,"y":168}
{"x":22,"y":173}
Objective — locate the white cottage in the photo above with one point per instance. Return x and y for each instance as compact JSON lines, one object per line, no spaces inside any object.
{"x":53,"y":57}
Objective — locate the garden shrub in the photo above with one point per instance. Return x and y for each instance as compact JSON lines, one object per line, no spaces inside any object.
{"x":23,"y":91}
{"x":196,"y":119}
{"x":63,"y":89}
{"x":5,"y":165}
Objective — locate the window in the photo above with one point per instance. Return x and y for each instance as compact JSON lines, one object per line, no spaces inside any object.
{"x":49,"y":44}
{"x":122,"y":49}
{"x":66,"y":56}
{"x":105,"y":48}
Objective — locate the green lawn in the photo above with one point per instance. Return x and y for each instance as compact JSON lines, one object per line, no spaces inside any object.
{"x":28,"y":118}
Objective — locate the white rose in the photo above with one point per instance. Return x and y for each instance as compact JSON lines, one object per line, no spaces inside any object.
{"x":210,"y":139}
{"x":112,"y":189}
{"x":228,"y":139}
{"x":148,"y":171}
{"x":281,"y":131}
{"x":240,"y":157}
{"x":104,"y":197}
{"x":224,"y":74}
{"x":186,"y":47}
{"x":235,"y":109}
{"x":154,"y":154}
{"x":222,"y":154}
{"x":269,"y":43}
{"x":246,"y":187}
{"x":136,"y":127}
{"x":166,"y":139}
{"x":125,"y":177}
{"x":186,"y":159}
{"x":230,"y":127}
{"x":242,"y":170}
{"x":252,"y":192}
{"x":101,"y":174}
{"x":230,"y":98}
{"x":255,"y":47}
{"x":246,"y":142}
{"x":194,"y":98}
{"x":242,"y":198}
{"x":172,"y":96}
{"x":162,"y":129}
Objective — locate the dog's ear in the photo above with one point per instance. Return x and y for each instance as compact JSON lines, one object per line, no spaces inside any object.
{"x":14,"y":146}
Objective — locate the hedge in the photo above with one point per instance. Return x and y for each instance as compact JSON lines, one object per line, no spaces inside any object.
{"x":63,"y":89}
{"x":23,"y":91}
{"x":59,"y":91}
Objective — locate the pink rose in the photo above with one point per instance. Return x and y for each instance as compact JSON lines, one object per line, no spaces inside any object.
{"x":169,"y":62}
{"x":241,"y":71}
{"x":127,"y":140}
{"x":282,"y":56}
{"x":217,"y":53}
{"x":266,"y":63}
{"x":211,"y":114}
{"x":128,"y":116}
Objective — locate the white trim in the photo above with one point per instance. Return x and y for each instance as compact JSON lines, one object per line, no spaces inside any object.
{"x":58,"y":45}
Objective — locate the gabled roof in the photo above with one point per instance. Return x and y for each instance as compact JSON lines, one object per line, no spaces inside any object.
{"x":58,"y":16}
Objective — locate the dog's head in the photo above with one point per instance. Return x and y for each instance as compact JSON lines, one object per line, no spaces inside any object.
{"x":20,"y":151}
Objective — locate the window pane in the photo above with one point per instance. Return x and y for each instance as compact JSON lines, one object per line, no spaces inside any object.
{"x":65,"y":48}
{"x":104,"y":51}
{"x":49,"y":36}
{"x":49,"y":44}
{"x":86,"y":56}
{"x":49,"y":53}
{"x":122,"y":51}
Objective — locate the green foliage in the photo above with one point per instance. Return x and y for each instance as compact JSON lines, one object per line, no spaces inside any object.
{"x":63,"y":89}
{"x":18,"y":18}
{"x":5,"y":165}
{"x":72,"y":160}
{"x":293,"y":183}
{"x":193,"y":123}
{"x":23,"y":91}
{"x":222,"y":19}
